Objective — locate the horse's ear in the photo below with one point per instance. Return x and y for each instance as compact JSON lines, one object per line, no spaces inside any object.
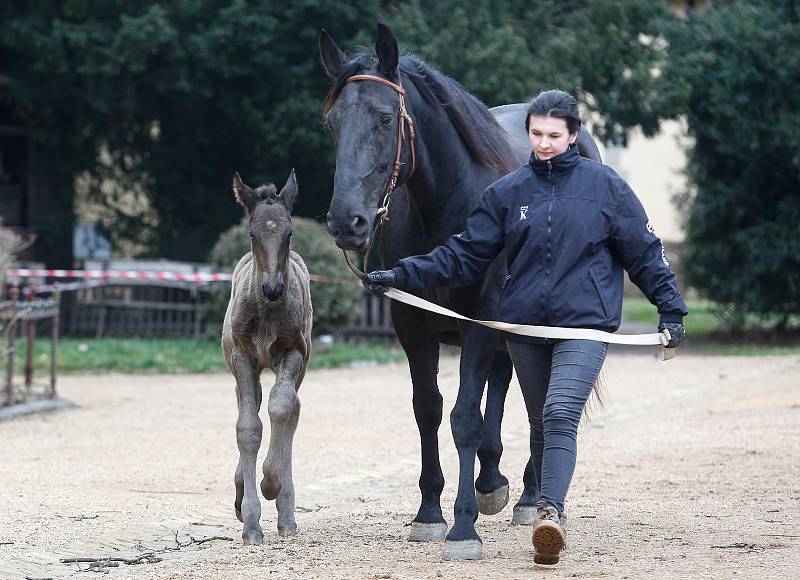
{"x":333,"y":59}
{"x":244,"y":195}
{"x":387,"y":51}
{"x":289,"y":191}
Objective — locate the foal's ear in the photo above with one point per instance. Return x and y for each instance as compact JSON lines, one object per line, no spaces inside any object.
{"x":289,"y":191}
{"x":244,"y":195}
{"x":387,"y":51}
{"x":333,"y":59}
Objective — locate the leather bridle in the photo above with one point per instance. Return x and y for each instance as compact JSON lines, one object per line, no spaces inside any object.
{"x":403,"y":120}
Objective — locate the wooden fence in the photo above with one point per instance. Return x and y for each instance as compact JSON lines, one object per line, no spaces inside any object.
{"x":19,"y":318}
{"x":373,"y":323}
{"x":135,"y":309}
{"x":140,"y":310}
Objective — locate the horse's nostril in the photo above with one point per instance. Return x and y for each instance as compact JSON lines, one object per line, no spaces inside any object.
{"x":359,"y":224}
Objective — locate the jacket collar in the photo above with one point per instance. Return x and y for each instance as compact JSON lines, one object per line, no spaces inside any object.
{"x":557,"y":165}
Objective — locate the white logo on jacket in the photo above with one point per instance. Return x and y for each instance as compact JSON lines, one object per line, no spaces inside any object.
{"x":523,"y":212}
{"x":652,"y":230}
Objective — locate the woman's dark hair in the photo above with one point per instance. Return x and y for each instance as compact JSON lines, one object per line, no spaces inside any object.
{"x":555,"y":103}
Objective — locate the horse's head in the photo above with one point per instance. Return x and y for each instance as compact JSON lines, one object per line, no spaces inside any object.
{"x":363,"y":119}
{"x":270,"y":231}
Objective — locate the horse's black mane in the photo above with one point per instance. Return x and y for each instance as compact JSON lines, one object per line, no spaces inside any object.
{"x":481,"y":134}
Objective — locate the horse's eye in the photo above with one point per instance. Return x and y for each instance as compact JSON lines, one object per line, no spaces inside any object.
{"x":290,"y":233}
{"x":250,"y":234}
{"x":386,"y":120}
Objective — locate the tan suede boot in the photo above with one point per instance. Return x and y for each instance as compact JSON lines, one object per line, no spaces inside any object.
{"x":549,"y":537}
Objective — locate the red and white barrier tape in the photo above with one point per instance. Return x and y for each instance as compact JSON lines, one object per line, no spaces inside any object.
{"x":130,"y":275}
{"x":62,"y":287}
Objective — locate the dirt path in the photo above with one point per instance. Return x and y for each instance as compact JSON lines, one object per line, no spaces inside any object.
{"x":691,"y":470}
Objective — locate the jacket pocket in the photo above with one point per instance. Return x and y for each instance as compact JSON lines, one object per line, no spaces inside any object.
{"x":602,"y":298}
{"x":506,"y":283}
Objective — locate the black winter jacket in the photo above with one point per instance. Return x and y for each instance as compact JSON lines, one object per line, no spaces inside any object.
{"x":569,"y":225}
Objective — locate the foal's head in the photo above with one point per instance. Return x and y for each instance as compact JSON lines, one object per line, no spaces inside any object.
{"x":270,"y":230}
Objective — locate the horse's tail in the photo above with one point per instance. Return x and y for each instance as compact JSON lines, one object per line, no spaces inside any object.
{"x":598,"y":396}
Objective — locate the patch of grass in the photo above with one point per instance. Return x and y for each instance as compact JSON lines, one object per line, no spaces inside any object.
{"x":705,"y":331}
{"x":176,"y":355}
{"x":701,"y":319}
{"x":343,"y":355}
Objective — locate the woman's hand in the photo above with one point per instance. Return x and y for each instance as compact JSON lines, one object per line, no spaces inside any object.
{"x":676,"y":332}
{"x":378,"y":281}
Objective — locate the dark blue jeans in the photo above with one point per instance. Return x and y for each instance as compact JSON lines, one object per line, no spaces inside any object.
{"x":556,"y":379}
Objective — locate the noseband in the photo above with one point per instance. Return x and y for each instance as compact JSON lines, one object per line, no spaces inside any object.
{"x":403,"y":119}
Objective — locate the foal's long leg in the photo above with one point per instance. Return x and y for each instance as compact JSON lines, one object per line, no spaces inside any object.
{"x":477,"y":354}
{"x":491,"y":487}
{"x":422,"y":350}
{"x":283,"y":406}
{"x":248,"y":439}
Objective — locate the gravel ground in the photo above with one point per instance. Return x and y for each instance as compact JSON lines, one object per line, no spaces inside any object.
{"x":691,"y":469}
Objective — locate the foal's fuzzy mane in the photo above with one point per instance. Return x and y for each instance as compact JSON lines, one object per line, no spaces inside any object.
{"x":480,"y":132}
{"x":266,"y":191}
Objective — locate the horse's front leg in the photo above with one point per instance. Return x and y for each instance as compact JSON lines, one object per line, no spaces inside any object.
{"x":478,"y":350}
{"x":248,"y":439}
{"x":283,"y":406}
{"x":491,"y":487}
{"x":422,"y":350}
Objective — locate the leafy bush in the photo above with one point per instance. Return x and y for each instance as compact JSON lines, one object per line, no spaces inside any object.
{"x":735,"y":70}
{"x":10,"y":244}
{"x":335,"y":299}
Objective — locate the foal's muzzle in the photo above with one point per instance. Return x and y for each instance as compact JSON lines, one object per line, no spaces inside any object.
{"x":273,"y":292}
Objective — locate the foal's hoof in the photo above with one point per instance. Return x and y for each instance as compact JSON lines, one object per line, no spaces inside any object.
{"x":285,"y":531}
{"x":524,"y":515}
{"x":493,"y":502}
{"x":253,"y":538}
{"x":463,"y":550}
{"x":427,"y":532}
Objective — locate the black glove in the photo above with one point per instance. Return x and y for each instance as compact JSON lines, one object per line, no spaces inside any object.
{"x":676,"y":332}
{"x":378,"y":281}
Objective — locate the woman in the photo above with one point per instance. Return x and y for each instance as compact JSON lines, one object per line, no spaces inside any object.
{"x":569,"y":226}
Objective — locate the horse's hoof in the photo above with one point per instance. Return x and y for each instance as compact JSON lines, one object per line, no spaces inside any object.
{"x":253,"y":538}
{"x":463,"y":550}
{"x":524,"y":515}
{"x":427,"y":532}
{"x":493,"y":502}
{"x":287,"y":531}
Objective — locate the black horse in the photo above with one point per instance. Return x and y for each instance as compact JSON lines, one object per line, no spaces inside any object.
{"x":459,"y":148}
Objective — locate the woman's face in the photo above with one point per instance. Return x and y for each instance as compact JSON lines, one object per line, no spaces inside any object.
{"x":549,"y":136}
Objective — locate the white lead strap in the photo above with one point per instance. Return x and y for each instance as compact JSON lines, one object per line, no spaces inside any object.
{"x":656,"y":338}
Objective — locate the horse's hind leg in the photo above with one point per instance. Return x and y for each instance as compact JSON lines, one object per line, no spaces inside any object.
{"x":491,"y":487}
{"x":248,"y":439}
{"x":422,"y":351}
{"x":283,"y":406}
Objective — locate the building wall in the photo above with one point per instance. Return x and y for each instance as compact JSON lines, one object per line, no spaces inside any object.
{"x":654,"y":169}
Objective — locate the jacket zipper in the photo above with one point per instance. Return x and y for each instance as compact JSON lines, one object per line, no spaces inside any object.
{"x":548,"y":258}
